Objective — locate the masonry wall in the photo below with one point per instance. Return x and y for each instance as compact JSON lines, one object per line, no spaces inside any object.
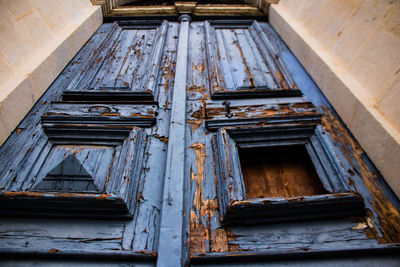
{"x":351,"y":48}
{"x":37,"y":40}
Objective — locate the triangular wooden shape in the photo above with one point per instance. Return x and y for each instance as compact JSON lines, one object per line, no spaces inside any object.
{"x":68,"y":176}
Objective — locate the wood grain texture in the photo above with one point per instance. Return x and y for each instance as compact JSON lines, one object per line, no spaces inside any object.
{"x":173,"y":192}
{"x":207,"y":236}
{"x":258,"y":112}
{"x":242,"y":64}
{"x":124,"y":67}
{"x":75,"y":170}
{"x":278,"y":172}
{"x":30,"y":145}
{"x":80,"y":181}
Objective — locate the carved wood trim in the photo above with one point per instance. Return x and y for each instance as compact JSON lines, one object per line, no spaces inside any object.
{"x":236,"y":208}
{"x":112,"y":195}
{"x":110,"y":9}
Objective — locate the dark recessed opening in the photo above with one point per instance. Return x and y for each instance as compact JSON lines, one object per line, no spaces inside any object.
{"x":279,"y":171}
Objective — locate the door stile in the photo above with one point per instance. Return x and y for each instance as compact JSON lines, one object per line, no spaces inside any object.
{"x":171,"y":242}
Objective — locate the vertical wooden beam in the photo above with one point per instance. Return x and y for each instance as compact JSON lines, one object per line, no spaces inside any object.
{"x":170,"y":249}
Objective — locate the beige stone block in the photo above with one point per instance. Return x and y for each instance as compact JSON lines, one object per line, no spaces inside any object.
{"x":305,"y":12}
{"x":12,"y":39}
{"x":382,"y":147}
{"x":342,"y":99}
{"x":357,"y":28}
{"x":377,"y":64}
{"x":18,"y":9}
{"x":41,"y":77}
{"x":18,"y":103}
{"x":34,"y":69}
{"x":364,"y":128}
{"x":312,"y":57}
{"x":72,"y":8}
{"x":376,"y":135}
{"x":52,"y":14}
{"x":391,"y":23}
{"x":4,"y":127}
{"x":295,"y":7}
{"x":309,"y":12}
{"x":330,"y":20}
{"x":76,"y":40}
{"x":392,"y":167}
{"x":60,"y":57}
{"x":289,"y":35}
{"x":37,"y":32}
{"x":94,"y":22}
{"x":389,"y":104}
{"x":7,"y":86}
{"x":6,"y":70}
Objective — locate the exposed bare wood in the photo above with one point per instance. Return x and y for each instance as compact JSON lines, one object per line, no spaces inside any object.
{"x":278,"y":172}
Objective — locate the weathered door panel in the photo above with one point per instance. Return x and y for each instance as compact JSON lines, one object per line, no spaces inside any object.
{"x":125,"y":65}
{"x":243,"y":63}
{"x":91,"y":173}
{"x":212,"y":242}
{"x":58,"y":166}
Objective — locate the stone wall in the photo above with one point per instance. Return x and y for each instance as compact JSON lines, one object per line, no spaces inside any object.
{"x":37,"y":40}
{"x":351,"y":48}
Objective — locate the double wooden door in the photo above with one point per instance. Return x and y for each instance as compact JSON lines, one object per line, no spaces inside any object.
{"x":168,"y":143}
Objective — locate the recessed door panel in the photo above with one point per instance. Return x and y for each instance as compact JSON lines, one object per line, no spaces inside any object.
{"x":124,"y":67}
{"x":243,"y":63}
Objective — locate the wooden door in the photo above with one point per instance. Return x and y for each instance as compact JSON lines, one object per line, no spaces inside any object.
{"x":193,"y":142}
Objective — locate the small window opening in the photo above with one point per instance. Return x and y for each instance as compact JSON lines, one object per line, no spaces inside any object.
{"x":279,"y":171}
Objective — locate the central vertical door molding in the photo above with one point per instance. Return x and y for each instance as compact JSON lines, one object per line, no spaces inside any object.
{"x":170,"y":249}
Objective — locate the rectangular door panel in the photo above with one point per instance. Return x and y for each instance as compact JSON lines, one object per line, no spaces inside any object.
{"x":124,"y":67}
{"x":243,"y":63}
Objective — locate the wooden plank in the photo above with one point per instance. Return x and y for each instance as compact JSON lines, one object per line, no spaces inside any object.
{"x":363,"y":255}
{"x":143,"y":234}
{"x":206,"y":232}
{"x":94,"y":61}
{"x":114,"y":72}
{"x":259,"y":68}
{"x":171,"y":253}
{"x":284,"y":171}
{"x":75,"y":111}
{"x":285,"y":75}
{"x":202,"y":202}
{"x":121,"y":65}
{"x":43,"y":234}
{"x":263,"y":210}
{"x":229,"y":178}
{"x":71,"y":254}
{"x":301,"y":235}
{"x":242,"y":65}
{"x":95,"y":123}
{"x":28,"y":145}
{"x":253,"y":113}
